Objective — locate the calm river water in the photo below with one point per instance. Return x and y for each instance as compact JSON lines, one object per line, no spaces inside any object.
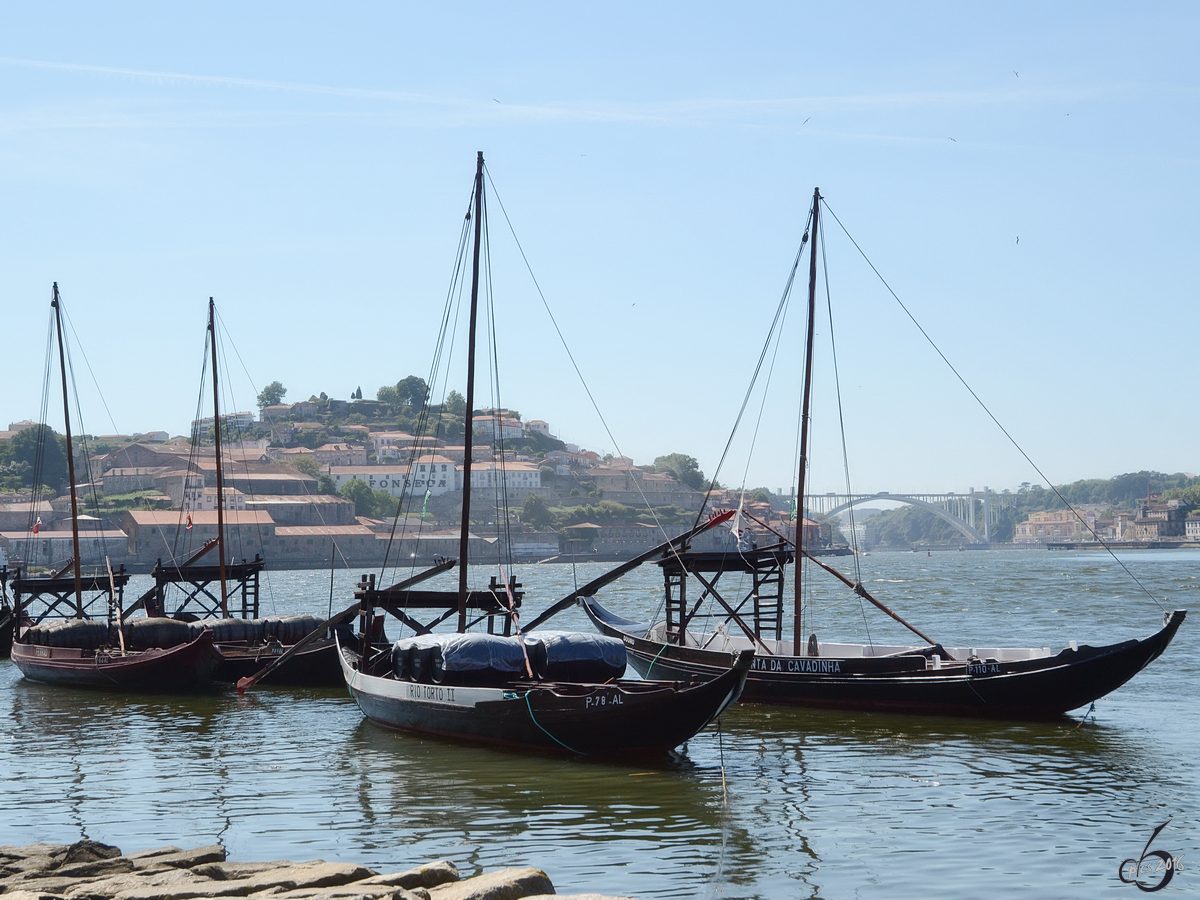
{"x":815,"y":804}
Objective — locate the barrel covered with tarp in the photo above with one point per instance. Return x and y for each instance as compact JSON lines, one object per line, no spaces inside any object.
{"x":576,"y":656}
{"x":477,"y":659}
{"x":232,"y":631}
{"x":412,"y":657}
{"x":289,"y":629}
{"x":86,"y":634}
{"x":484,"y":660}
{"x":146,"y":634}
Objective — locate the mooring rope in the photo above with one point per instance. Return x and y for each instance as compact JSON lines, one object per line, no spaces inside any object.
{"x":533,"y":719}
{"x":989,"y":413}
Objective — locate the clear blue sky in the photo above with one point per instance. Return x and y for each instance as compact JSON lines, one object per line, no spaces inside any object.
{"x":309,"y":166}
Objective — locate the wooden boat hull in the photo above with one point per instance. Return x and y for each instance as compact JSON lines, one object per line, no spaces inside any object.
{"x":621,"y":717}
{"x":185,"y":667}
{"x":313,"y":666}
{"x":1023,"y":689}
{"x":6,"y":632}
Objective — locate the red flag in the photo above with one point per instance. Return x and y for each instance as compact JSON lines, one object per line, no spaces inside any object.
{"x":37,"y":525}
{"x":189,"y":522}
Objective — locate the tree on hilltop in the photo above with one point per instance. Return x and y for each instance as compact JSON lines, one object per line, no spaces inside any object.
{"x":685,"y":469}
{"x":456,"y":404}
{"x":411,"y":391}
{"x":271,"y":395}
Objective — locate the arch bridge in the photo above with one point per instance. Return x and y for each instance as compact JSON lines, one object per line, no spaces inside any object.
{"x":972,"y":514}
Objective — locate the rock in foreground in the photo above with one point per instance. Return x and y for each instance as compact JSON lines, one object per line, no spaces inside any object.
{"x":89,"y":870}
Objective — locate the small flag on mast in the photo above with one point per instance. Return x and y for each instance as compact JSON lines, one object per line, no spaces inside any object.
{"x":37,"y":526}
{"x":425,"y":505}
{"x":189,"y":522}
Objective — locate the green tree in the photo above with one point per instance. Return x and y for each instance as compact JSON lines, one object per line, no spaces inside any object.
{"x":42,"y":454}
{"x":535,"y":512}
{"x":326,"y":485}
{"x":312,"y":438}
{"x":271,"y":395}
{"x":456,"y":404}
{"x":385,"y":505}
{"x":306,"y":463}
{"x":361,"y":495}
{"x":375,"y":504}
{"x":413,"y":391}
{"x":685,"y":469}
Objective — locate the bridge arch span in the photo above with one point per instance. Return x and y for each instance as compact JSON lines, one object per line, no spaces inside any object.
{"x":962,"y":527}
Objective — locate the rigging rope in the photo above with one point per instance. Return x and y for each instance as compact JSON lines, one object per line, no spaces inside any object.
{"x":570,"y":356}
{"x":842,"y":426}
{"x":775,"y":324}
{"x":989,"y":413}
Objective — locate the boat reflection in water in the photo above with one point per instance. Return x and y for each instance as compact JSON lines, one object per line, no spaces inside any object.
{"x":818,"y":802}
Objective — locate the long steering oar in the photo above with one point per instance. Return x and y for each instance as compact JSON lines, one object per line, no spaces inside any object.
{"x":591,"y":587}
{"x":244,"y":684}
{"x":857,"y":588}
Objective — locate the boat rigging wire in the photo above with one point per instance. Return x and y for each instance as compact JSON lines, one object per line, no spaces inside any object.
{"x":85,"y":452}
{"x":499,"y":469}
{"x":775,"y":324}
{"x":335,"y":550}
{"x":837,"y":382}
{"x":989,"y":413}
{"x":672,"y":549}
{"x":570,"y":356}
{"x":447,"y":328}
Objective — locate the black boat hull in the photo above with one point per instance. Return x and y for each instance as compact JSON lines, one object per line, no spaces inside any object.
{"x":185,"y":667}
{"x":1024,"y":689}
{"x":313,"y":666}
{"x":621,"y":717}
{"x":6,"y":632}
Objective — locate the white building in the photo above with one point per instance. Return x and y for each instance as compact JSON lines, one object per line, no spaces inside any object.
{"x":341,"y":455}
{"x":512,"y":476}
{"x":500,"y":428}
{"x":393,"y":479}
{"x":389,"y":444}
{"x":539,"y":427}
{"x":435,"y":473}
{"x":198,"y":498}
{"x":239,"y":421}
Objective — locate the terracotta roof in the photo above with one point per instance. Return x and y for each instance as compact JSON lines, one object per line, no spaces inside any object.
{"x":368,"y":470}
{"x":322,"y":530}
{"x":172,"y":517}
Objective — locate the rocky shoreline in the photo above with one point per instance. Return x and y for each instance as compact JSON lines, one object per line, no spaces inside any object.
{"x":88,"y":870}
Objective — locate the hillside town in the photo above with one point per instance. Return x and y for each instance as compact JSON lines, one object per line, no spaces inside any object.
{"x":151,"y":498}
{"x":354,"y":483}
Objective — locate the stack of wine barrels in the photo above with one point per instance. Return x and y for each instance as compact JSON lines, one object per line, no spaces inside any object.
{"x":488,"y":660}
{"x":83,"y":633}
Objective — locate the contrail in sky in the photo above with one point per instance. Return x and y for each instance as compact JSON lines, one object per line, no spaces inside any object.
{"x":651,"y":111}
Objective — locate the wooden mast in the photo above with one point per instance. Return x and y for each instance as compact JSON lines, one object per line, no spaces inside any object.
{"x":62,"y":364}
{"x":464,"y":535}
{"x":212,"y":334}
{"x":797,"y":625}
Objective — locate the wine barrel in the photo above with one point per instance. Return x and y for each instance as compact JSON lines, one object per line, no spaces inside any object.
{"x":577,"y":656}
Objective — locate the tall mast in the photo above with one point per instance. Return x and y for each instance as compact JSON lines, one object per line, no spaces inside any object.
{"x":62,"y":364}
{"x":212,"y":336}
{"x":464,"y":535}
{"x":797,"y":627}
